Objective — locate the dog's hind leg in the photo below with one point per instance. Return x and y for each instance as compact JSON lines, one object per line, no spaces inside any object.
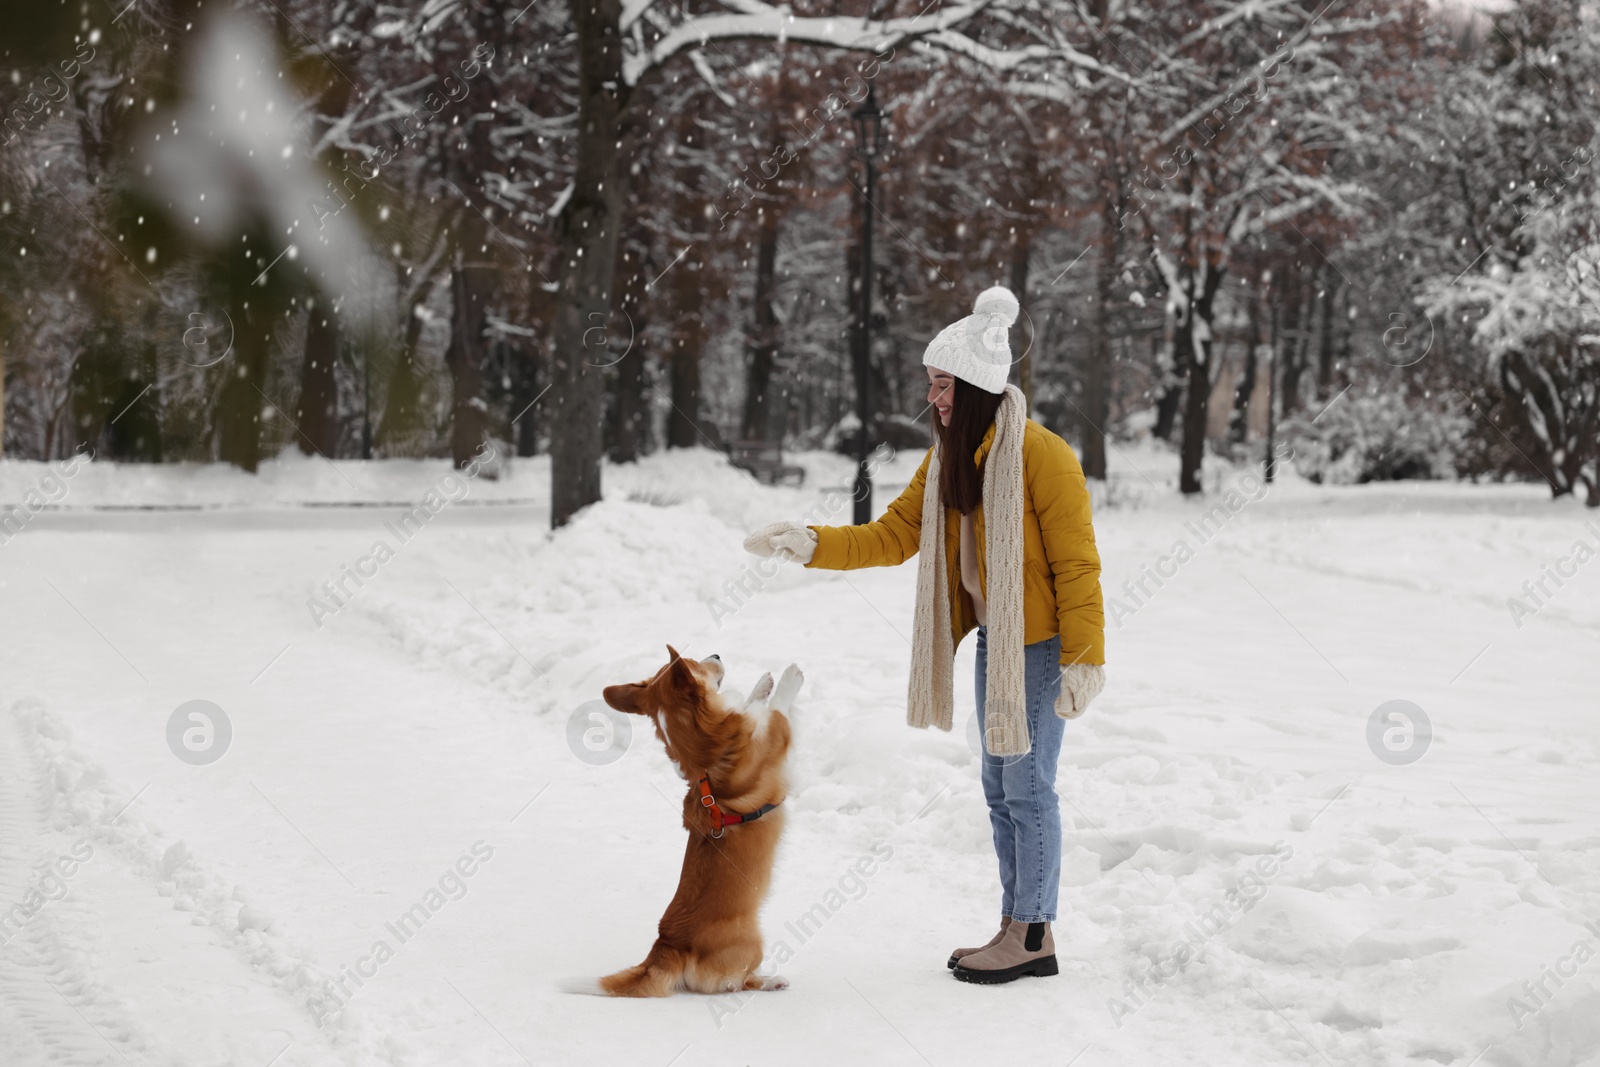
{"x":660,"y":975}
{"x":788,"y":688}
{"x":725,"y":969}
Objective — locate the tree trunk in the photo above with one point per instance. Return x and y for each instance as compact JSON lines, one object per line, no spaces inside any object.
{"x":1169,"y":380}
{"x":683,"y":424}
{"x":1341,"y":353}
{"x":1308,"y":315}
{"x":1325,"y":356}
{"x":850,"y":387}
{"x":318,"y":413}
{"x":1556,"y":416}
{"x":526,"y":429}
{"x":1292,"y":338}
{"x":1020,"y":250}
{"x":632,"y":403}
{"x":1095,"y":402}
{"x":243,"y":392}
{"x":633,"y":408}
{"x":763,"y":344}
{"x":464,"y":357}
{"x":587,"y":236}
{"x":402,"y":397}
{"x":1194,"y":345}
{"x":1541,"y":459}
{"x":1239,"y":426}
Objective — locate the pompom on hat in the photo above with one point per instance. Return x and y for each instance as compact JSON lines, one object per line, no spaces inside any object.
{"x":977,"y":349}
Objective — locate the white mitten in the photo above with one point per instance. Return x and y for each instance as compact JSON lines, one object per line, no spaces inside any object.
{"x":786,"y":540}
{"x":1080,"y":683}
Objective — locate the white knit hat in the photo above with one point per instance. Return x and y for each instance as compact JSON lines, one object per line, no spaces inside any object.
{"x":977,"y":348}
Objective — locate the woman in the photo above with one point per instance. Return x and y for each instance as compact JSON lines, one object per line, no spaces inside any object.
{"x":1017,"y":560}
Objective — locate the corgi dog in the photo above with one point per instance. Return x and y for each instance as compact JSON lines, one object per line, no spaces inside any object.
{"x":733,"y":757}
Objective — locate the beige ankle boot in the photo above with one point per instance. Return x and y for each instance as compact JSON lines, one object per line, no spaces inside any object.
{"x":1024,"y":949}
{"x":955,"y":957}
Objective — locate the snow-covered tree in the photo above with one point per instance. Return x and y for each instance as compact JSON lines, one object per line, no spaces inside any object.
{"x":1255,"y":101}
{"x":1516,"y":174}
{"x":622,"y":44}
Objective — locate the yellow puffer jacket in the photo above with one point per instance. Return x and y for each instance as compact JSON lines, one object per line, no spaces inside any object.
{"x":1061,"y":579}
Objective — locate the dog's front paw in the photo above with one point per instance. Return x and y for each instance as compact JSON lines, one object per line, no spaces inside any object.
{"x":759,"y":695}
{"x":774,"y":982}
{"x":788,"y":688}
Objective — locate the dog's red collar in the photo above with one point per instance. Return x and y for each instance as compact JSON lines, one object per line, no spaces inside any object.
{"x":720,"y":818}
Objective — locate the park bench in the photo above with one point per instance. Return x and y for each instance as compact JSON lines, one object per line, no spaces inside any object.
{"x":765,"y":461}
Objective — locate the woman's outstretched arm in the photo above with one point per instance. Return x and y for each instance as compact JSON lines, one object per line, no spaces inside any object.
{"x":887,"y":541}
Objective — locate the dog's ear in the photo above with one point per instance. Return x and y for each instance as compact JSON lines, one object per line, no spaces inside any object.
{"x":633,"y":697}
{"x":678,"y":670}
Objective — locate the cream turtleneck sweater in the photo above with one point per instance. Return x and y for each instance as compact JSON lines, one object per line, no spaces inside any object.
{"x":969,"y":568}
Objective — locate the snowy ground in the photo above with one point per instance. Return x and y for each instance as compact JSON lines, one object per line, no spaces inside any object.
{"x":1363,"y":912}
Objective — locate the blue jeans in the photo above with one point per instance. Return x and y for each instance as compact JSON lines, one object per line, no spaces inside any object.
{"x":1024,"y":810}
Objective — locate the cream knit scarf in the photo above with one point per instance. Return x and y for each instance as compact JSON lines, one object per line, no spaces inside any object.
{"x":930,"y":700}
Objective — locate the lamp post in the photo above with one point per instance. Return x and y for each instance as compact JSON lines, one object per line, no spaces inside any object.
{"x":1272,"y":378}
{"x":869,"y":126}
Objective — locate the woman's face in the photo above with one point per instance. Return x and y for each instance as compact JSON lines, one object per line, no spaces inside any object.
{"x":941,"y":393}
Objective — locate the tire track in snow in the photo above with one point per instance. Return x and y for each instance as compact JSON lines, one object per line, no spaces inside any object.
{"x":243,"y":987}
{"x":50,"y":1012}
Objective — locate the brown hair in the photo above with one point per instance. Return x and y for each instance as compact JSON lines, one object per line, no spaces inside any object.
{"x":972,"y":412}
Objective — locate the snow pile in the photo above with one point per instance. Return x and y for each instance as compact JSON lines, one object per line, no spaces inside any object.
{"x":289,"y":479}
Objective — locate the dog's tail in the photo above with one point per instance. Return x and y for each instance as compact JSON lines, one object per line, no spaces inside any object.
{"x":660,"y":975}
{"x":587,"y":986}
